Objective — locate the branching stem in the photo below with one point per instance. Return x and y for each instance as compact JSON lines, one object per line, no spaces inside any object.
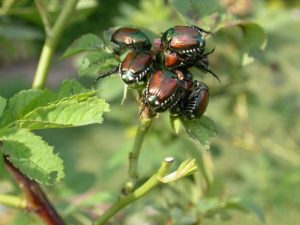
{"x":124,"y":201}
{"x":51,"y":44}
{"x":44,"y":17}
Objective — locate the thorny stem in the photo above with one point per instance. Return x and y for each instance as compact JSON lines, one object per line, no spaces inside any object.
{"x":36,"y":200}
{"x":151,"y":183}
{"x":51,"y":44}
{"x":143,"y":127}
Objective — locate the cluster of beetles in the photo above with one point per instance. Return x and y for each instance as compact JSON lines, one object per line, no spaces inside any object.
{"x":162,"y":68}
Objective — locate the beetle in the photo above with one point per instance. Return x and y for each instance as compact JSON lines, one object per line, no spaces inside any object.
{"x":134,"y":69}
{"x":187,"y":83}
{"x":184,"y":40}
{"x":197,"y":101}
{"x":163,"y":90}
{"x":126,"y":37}
{"x":172,"y":60}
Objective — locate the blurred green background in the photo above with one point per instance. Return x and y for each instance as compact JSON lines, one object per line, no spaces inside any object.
{"x":255,"y":156}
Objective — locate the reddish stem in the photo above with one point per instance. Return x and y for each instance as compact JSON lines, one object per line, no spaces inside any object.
{"x":36,"y":199}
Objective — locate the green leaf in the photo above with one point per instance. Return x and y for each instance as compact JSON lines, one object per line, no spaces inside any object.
{"x":194,"y":10}
{"x":200,"y":130}
{"x":250,"y":38}
{"x":76,"y":110}
{"x":87,"y":42}
{"x":254,"y":36}
{"x":17,"y":103}
{"x":96,"y":62}
{"x":74,"y":105}
{"x":69,"y":88}
{"x":3,"y":102}
{"x":33,"y":156}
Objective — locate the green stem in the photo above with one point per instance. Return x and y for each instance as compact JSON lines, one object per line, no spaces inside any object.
{"x":12,"y":201}
{"x":51,"y":44}
{"x":134,"y":154}
{"x":152,"y":182}
{"x":43,"y":13}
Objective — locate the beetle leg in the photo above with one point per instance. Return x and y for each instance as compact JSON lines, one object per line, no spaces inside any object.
{"x":211,"y":51}
{"x":204,"y":67}
{"x":114,"y":70}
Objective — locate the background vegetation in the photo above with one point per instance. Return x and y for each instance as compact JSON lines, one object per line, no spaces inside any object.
{"x":250,"y":172}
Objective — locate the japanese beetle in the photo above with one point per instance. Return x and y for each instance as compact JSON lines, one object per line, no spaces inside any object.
{"x":172,"y":60}
{"x":134,"y":68}
{"x":197,"y":101}
{"x":126,"y":37}
{"x":163,"y":90}
{"x":184,"y":40}
{"x":186,"y":81}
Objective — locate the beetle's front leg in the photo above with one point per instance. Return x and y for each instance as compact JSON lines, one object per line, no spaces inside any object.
{"x":112,"y":71}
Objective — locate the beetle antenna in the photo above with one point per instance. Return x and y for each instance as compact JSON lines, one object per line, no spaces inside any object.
{"x":203,"y":31}
{"x":107,"y":73}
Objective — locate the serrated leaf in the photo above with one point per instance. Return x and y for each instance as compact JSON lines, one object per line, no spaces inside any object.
{"x":76,"y":110}
{"x":194,"y":10}
{"x":33,"y":156}
{"x":17,"y":103}
{"x":200,"y":130}
{"x":2,"y":105}
{"x":97,"y":62}
{"x":69,"y":88}
{"x":87,"y":42}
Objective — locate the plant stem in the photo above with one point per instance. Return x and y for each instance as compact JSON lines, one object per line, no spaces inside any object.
{"x":152,"y":182}
{"x":13,"y":201}
{"x":51,"y":44}
{"x":36,"y":200}
{"x":143,"y":127}
{"x":44,"y":17}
